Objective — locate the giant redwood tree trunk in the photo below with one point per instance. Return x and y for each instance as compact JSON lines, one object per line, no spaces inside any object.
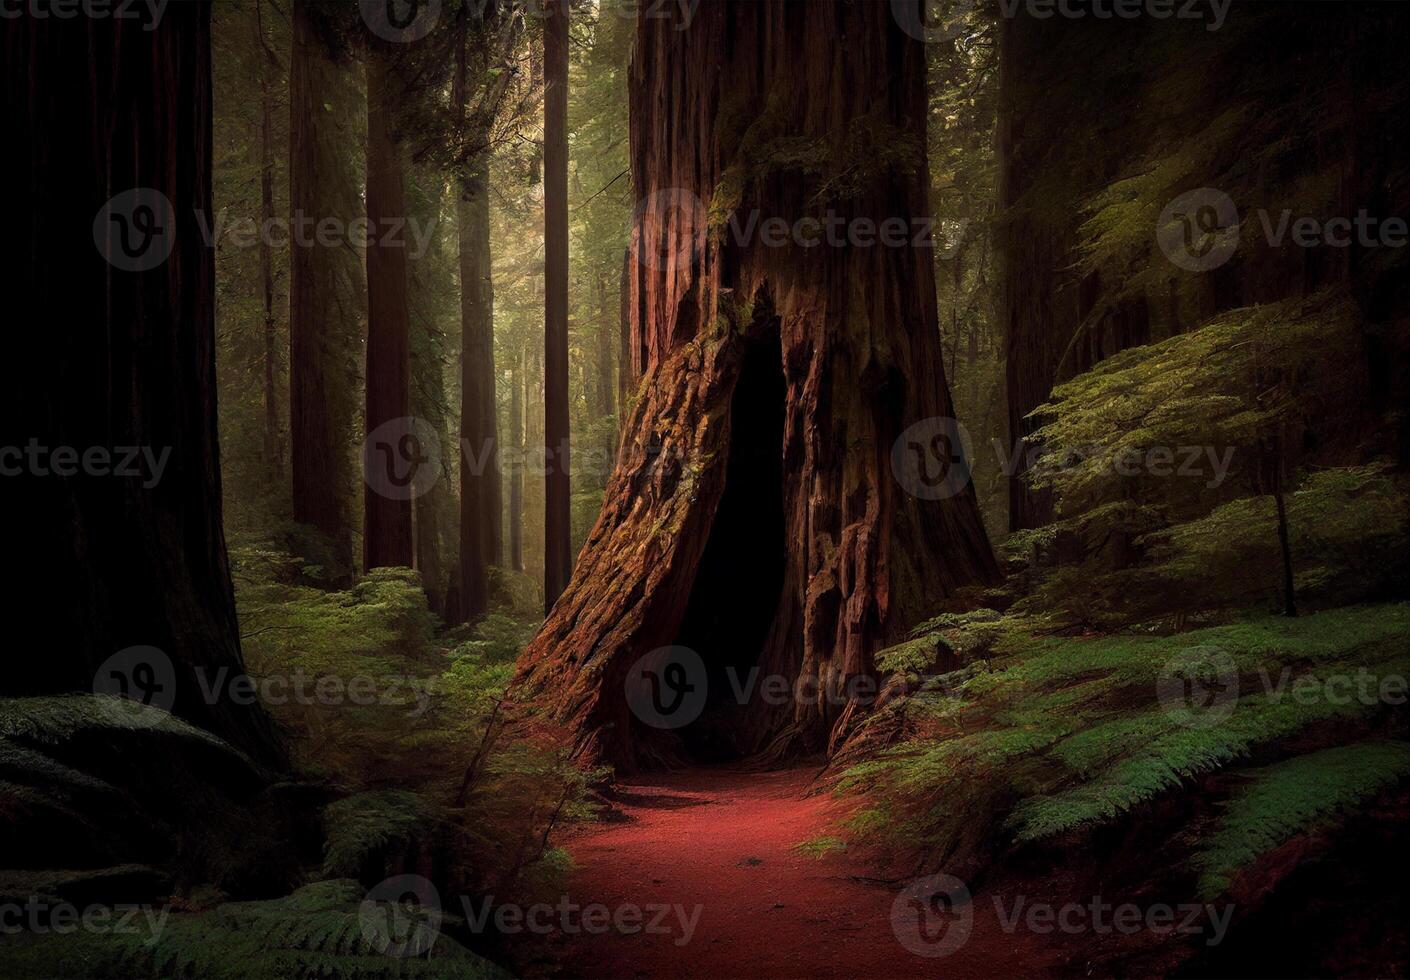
{"x":322,"y":285}
{"x":112,"y":147}
{"x":558,"y":545}
{"x":479,"y":452}
{"x":386,"y":531}
{"x":753,"y":515}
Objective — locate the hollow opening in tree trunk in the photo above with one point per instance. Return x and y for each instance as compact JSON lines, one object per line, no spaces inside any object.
{"x":737,"y":586}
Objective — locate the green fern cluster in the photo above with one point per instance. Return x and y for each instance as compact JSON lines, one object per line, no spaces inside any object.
{"x":317,"y":932}
{"x":1303,"y":794}
{"x":365,"y":825}
{"x":1069,"y":734}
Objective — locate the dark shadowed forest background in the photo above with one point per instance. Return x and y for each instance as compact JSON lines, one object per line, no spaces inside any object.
{"x":886,"y":484}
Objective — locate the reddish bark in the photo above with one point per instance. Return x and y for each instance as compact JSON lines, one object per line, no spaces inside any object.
{"x":558,"y":553}
{"x":387,"y":537}
{"x":269,"y":71}
{"x":516,"y":475}
{"x":479,"y":471}
{"x":838,"y":347}
{"x":626,"y":380}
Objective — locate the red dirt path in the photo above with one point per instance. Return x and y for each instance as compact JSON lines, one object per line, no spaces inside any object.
{"x":725,"y":840}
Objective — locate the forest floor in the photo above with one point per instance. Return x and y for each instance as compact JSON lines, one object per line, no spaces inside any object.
{"x":718,"y":847}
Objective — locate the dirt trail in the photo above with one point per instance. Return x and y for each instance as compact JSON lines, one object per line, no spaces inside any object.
{"x":725,"y":841}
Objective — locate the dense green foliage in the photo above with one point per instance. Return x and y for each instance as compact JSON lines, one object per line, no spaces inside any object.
{"x":1306,"y":793}
{"x":318,"y":931}
{"x":1046,"y":736}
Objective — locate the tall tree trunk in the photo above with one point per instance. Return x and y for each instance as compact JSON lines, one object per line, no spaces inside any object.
{"x":516,"y":472}
{"x":753,"y":515}
{"x":114,"y":561}
{"x":494,"y":480}
{"x":273,"y":453}
{"x":387,"y":532}
{"x":1031,"y":298}
{"x":431,"y":279}
{"x":479,"y":455}
{"x":558,"y":553}
{"x":321,"y":408}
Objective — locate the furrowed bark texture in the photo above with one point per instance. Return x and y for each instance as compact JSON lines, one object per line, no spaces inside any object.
{"x":479,"y":467}
{"x":516,"y":475}
{"x":558,"y":553}
{"x":124,"y":358}
{"x":719,"y":111}
{"x":387,"y":538}
{"x":323,"y":285}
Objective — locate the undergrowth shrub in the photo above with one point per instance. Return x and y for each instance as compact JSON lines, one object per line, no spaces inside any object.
{"x":1301,"y":795}
{"x":1050,"y":735}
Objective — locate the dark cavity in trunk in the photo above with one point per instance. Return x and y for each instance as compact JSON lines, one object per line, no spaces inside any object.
{"x":737,"y":588}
